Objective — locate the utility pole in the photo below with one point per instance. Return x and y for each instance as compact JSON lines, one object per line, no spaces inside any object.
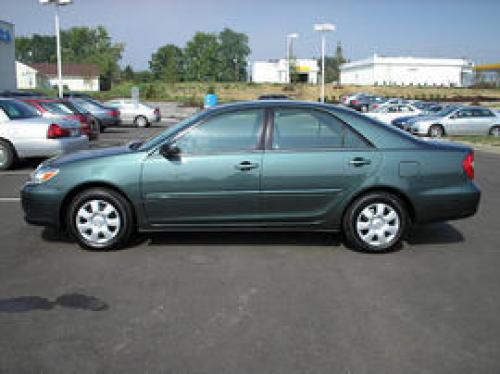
{"x":323,"y":28}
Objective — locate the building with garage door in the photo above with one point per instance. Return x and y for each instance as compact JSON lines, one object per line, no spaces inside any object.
{"x":407,"y":71}
{"x":7,"y":57}
{"x":276,"y":71}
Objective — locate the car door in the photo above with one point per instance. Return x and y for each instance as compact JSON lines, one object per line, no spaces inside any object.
{"x":311,"y":162}
{"x":459,"y":122}
{"x":215,"y":179}
{"x":483,"y":121}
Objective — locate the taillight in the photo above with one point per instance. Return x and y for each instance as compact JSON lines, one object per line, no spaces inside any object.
{"x":82,"y":118}
{"x":85,"y":129}
{"x":354,"y":102}
{"x":55,"y":131}
{"x":468,"y":165}
{"x":157,"y":111}
{"x":113,"y":113}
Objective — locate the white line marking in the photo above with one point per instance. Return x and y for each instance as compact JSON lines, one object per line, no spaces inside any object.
{"x":9,"y":199}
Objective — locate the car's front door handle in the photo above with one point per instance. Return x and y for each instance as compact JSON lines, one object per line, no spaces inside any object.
{"x":360,"y":161}
{"x":247,"y":165}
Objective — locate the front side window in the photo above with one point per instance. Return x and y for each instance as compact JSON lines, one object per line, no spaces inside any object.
{"x":310,"y":129}
{"x":228,"y":132}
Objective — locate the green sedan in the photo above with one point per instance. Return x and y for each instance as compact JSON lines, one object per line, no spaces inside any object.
{"x":258,"y":166}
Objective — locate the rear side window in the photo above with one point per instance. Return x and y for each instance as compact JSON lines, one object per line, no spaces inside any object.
{"x":299,"y":129}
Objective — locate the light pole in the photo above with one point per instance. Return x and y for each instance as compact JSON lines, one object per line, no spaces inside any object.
{"x":57,"y":4}
{"x":289,"y":41}
{"x":323,"y":28}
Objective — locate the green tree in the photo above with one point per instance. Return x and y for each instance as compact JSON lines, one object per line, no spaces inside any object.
{"x":128,"y":74}
{"x":332,"y":64}
{"x":201,"y":57}
{"x":37,"y":48}
{"x":167,"y":63}
{"x":233,"y":54}
{"x":78,"y":45}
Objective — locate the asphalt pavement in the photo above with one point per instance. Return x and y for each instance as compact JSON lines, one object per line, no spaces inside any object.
{"x":251,"y":303}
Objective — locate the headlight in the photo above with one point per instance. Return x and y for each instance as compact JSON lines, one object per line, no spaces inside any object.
{"x":43,"y":174}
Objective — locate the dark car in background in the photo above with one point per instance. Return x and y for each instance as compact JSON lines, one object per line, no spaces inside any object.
{"x":104,"y":115}
{"x":258,"y":166}
{"x":51,"y":108}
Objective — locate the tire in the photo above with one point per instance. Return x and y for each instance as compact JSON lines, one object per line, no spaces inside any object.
{"x":7,"y":155}
{"x":436,"y":131}
{"x":495,"y":131}
{"x":141,"y":121}
{"x":373,"y":216}
{"x":100,"y":219}
{"x":95,"y":128}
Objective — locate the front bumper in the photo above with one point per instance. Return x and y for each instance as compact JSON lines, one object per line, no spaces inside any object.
{"x":41,"y":205}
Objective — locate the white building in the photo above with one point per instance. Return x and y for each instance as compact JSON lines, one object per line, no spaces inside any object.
{"x":7,"y":57}
{"x":77,"y":77}
{"x":28,"y":78}
{"x":407,"y":71}
{"x":276,"y":71}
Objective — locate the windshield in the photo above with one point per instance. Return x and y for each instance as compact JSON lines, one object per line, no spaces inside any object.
{"x":18,"y":110}
{"x":159,"y":139}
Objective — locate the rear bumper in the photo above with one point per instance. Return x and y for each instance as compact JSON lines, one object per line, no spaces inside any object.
{"x":41,"y":205}
{"x":448,"y":205}
{"x":110,"y":121}
{"x":52,"y":147}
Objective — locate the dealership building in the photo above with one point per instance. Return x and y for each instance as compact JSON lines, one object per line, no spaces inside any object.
{"x":276,"y":71}
{"x":7,"y":57}
{"x":408,"y":71}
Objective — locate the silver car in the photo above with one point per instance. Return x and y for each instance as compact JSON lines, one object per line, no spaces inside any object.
{"x":24,"y":134}
{"x":135,"y":112}
{"x":458,"y":121}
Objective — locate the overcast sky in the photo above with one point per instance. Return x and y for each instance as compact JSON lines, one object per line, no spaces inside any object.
{"x":427,"y":28}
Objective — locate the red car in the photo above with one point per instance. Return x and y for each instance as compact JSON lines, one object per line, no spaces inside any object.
{"x":63,"y":108}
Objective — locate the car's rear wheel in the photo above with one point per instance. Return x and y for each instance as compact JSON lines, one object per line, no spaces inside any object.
{"x":495,"y":131}
{"x":436,"y":131}
{"x":7,"y":155}
{"x":100,"y":219}
{"x":375,"y":222}
{"x":141,"y":121}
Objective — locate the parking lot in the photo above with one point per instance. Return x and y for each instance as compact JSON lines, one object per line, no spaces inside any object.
{"x":250,"y":303}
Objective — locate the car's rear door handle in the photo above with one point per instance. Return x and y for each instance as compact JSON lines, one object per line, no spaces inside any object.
{"x":360,"y":161}
{"x":247,"y":165}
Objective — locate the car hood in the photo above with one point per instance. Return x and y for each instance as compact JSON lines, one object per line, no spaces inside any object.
{"x":87,"y":155}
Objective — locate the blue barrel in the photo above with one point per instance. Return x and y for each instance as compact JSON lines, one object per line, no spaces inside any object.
{"x":210,"y":101}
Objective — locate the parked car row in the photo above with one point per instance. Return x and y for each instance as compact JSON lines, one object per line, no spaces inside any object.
{"x":34,"y":126}
{"x":426,"y":118}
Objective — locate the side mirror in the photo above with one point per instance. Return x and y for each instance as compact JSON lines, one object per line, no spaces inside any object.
{"x":170,"y":151}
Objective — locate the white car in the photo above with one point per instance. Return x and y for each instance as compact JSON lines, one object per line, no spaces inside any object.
{"x":458,"y":121}
{"x":24,"y":134}
{"x":135,"y":112}
{"x":388,"y":113}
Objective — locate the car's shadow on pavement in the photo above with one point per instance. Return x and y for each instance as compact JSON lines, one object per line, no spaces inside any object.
{"x":439,"y":233}
{"x":436,"y":233}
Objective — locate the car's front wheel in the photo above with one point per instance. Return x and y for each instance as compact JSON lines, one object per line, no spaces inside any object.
{"x":436,"y":131}
{"x":375,"y":222}
{"x":100,"y":219}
